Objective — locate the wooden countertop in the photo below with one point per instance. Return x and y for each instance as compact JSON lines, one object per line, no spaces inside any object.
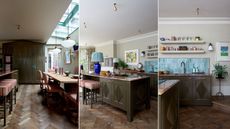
{"x":165,"y":86}
{"x":123,"y":78}
{"x":3,"y":73}
{"x":183,"y":75}
{"x":62,"y":78}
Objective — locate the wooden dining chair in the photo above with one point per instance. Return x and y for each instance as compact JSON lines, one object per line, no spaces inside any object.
{"x":51,"y":89}
{"x":41,"y":81}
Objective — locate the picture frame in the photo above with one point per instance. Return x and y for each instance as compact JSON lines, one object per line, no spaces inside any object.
{"x":7,"y":59}
{"x":108,"y":61}
{"x":132,"y":57}
{"x":67,"y":56}
{"x":223,"y":51}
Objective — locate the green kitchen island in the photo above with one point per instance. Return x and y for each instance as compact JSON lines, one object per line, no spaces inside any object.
{"x":168,"y":104}
{"x":127,"y":93}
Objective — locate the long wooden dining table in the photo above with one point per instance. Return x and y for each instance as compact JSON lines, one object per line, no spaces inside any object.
{"x":62,"y":79}
{"x":70,"y":93}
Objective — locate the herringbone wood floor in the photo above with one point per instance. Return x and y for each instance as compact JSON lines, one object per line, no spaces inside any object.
{"x":107,"y":117}
{"x":29,"y":113}
{"x":203,"y":117}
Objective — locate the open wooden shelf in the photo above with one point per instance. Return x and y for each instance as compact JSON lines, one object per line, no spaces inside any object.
{"x":152,"y":56}
{"x":183,"y":52}
{"x":182,"y":42}
{"x":154,"y":49}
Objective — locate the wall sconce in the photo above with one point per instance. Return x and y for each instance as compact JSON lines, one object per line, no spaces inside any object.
{"x":210,"y":47}
{"x":143,"y":53}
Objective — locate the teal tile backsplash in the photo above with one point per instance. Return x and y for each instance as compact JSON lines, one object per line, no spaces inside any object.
{"x":173,"y":65}
{"x":151,"y":66}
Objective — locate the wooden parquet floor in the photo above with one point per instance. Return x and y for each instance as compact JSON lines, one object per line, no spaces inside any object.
{"x":106,"y":117}
{"x":221,"y":103}
{"x":30,"y":113}
{"x":203,"y":117}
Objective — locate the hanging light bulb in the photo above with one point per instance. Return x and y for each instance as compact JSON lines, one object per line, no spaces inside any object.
{"x":115,"y":6}
{"x":197,"y":11}
{"x":56,"y":50}
{"x":84,"y":24}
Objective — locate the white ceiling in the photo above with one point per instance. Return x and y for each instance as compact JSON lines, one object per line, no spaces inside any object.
{"x":187,"y":8}
{"x":133,"y":17}
{"x":37,"y":18}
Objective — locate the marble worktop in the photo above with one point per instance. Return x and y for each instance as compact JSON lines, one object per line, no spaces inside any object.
{"x":182,"y":75}
{"x":123,"y":78}
{"x":166,"y":85}
{"x":3,"y":73}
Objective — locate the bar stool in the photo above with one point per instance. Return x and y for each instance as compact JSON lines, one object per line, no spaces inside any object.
{"x":93,"y":86}
{"x":82,"y":85}
{"x":13,"y":83}
{"x":6,"y":89}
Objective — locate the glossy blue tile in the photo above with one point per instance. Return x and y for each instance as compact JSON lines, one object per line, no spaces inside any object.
{"x":173,"y":65}
{"x":151,"y":66}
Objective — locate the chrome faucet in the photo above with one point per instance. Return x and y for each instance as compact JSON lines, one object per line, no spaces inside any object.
{"x":183,"y":64}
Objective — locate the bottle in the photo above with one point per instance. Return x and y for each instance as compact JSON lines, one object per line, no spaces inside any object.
{"x":197,"y":69}
{"x":193,"y":69}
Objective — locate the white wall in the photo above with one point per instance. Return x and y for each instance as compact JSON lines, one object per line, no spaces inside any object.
{"x":108,"y":48}
{"x":140,"y":42}
{"x":117,"y":48}
{"x":211,"y":32}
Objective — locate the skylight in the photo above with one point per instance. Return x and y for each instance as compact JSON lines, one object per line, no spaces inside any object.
{"x":68,"y":22}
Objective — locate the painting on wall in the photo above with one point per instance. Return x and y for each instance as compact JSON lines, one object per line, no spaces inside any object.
{"x":223,"y":51}
{"x":7,"y":59}
{"x":67,"y":56}
{"x":131,"y":57}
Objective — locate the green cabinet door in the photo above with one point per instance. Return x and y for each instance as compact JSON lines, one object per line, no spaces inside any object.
{"x":106,"y":90}
{"x":27,"y":57}
{"x":193,"y":90}
{"x":114,"y":92}
{"x":202,"y":90}
{"x":120,"y":94}
{"x":169,"y":109}
{"x":186,"y":90}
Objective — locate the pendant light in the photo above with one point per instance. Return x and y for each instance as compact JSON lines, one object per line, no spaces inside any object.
{"x":56,"y":50}
{"x":68,"y":43}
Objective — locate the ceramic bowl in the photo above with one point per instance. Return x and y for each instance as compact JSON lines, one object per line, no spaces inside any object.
{"x":67,"y":73}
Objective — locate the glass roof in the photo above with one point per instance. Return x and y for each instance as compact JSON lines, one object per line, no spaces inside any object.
{"x":69,"y":21}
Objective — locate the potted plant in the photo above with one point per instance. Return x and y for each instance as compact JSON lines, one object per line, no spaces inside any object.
{"x":220,"y":71}
{"x":122,"y":64}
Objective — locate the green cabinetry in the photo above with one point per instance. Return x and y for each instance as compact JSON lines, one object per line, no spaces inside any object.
{"x":125,"y":93}
{"x":114,"y":92}
{"x":193,"y":90}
